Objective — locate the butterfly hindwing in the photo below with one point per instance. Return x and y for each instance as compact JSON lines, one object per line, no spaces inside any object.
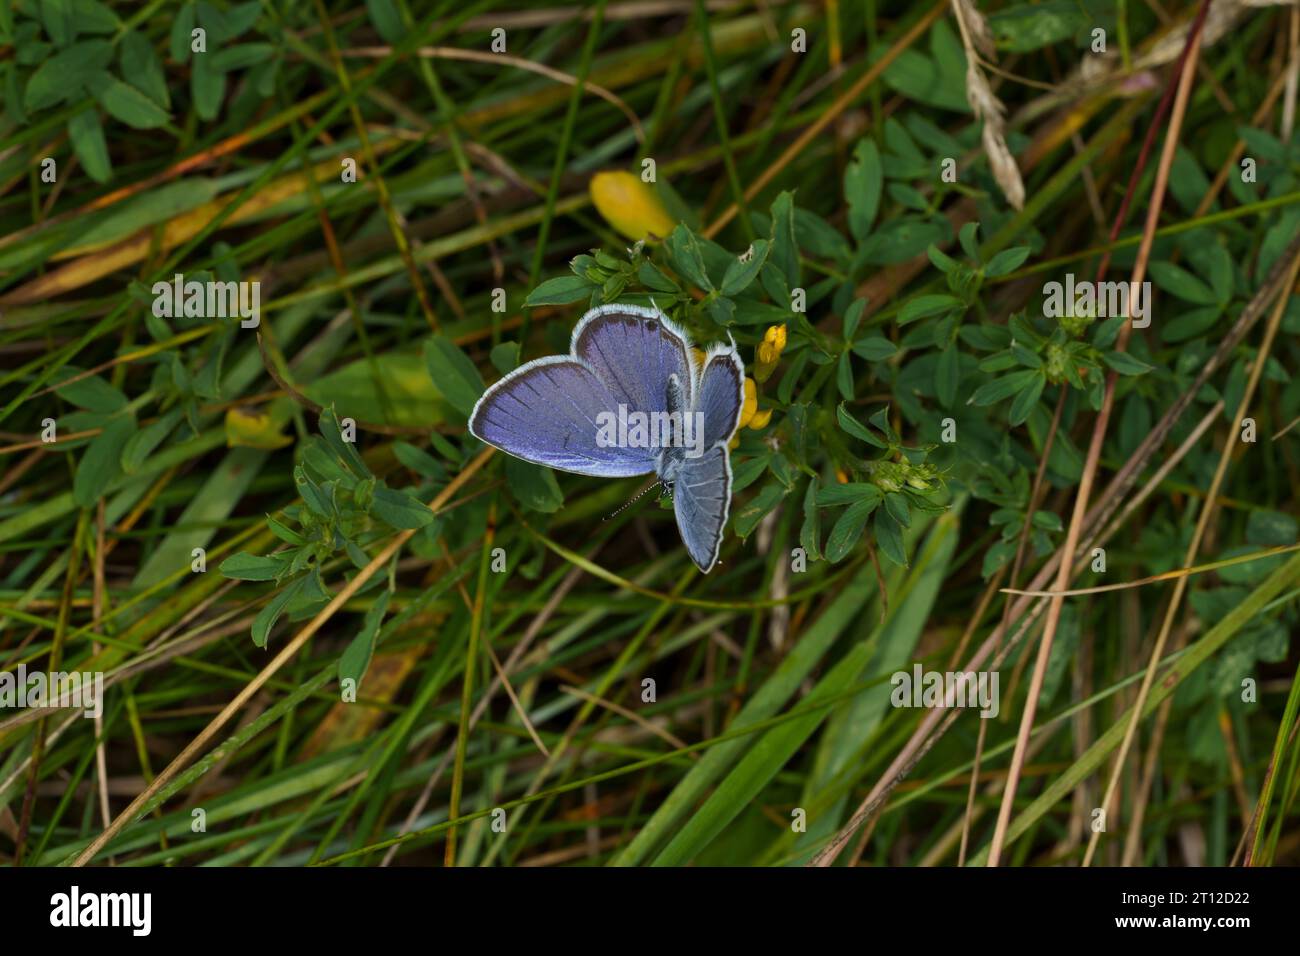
{"x":701,"y":503}
{"x":722,"y":395}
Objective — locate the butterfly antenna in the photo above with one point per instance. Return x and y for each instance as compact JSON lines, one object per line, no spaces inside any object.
{"x":635,"y":499}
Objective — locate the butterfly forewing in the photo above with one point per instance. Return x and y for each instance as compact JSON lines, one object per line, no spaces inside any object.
{"x":547,"y":412}
{"x":634,"y":350}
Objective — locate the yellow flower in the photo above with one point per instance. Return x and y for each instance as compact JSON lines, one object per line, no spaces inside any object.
{"x":760,"y":419}
{"x":768,"y":352}
{"x":750,"y":406}
{"x":841,"y":476}
{"x":630,"y":206}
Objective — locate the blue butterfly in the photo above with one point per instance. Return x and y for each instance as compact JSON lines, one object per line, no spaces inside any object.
{"x":630,"y":399}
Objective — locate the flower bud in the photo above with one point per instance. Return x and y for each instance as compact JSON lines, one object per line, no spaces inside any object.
{"x":630,"y":206}
{"x":768,"y":352}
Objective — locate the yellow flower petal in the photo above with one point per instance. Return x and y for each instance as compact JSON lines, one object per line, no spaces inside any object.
{"x":750,"y":406}
{"x":775,"y":337}
{"x":630,"y":206}
{"x":761,"y":419}
{"x":768,"y":352}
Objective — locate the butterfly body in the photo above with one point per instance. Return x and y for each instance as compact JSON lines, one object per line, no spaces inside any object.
{"x":630,"y":399}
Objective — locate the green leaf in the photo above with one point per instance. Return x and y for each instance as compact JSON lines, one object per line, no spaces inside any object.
{"x":419,"y":461}
{"x":880,"y":418}
{"x":504,"y":357}
{"x":141,"y":445}
{"x":853,"y":318}
{"x":889,"y":536}
{"x":896,"y":505}
{"x":748,"y":517}
{"x":252,"y":567}
{"x":332,"y":432}
{"x":844,"y":377}
{"x":811,"y":529}
{"x":1190,"y":324}
{"x":926,"y":305}
{"x":284,"y":532}
{"x":1006,"y":261}
{"x":749,"y":471}
{"x":848,"y":529}
{"x":1026,"y":400}
{"x":101,"y":463}
{"x":269,"y":614}
{"x":241,"y":56}
{"x":1106,"y":332}
{"x":399,"y":510}
{"x":684,"y":250}
{"x":863,"y":178}
{"x":124,"y":102}
{"x":874,"y":348}
{"x":1047,"y":520}
{"x":898,"y":240}
{"x":239,"y":18}
{"x":785,"y":251}
{"x":847,"y":494}
{"x":936,"y":80}
{"x":59,"y":20}
{"x":855,"y":428}
{"x":817,"y":237}
{"x":141,"y":67}
{"x":535,"y":487}
{"x":722,"y":310}
{"x":1124,"y":363}
{"x":453,"y":374}
{"x":744,"y":270}
{"x":947,"y":375}
{"x":207,"y":85}
{"x":182,"y":26}
{"x":941,"y":260}
{"x":63,"y":76}
{"x":1179,"y":282}
{"x":995,"y":391}
{"x":561,"y":290}
{"x":308,"y":597}
{"x":91,"y":392}
{"x":908,"y":196}
{"x":356,"y":658}
{"x":1214,"y":261}
{"x":386,"y":19}
{"x":653,"y":278}
{"x":391,"y":388}
{"x":1032,"y":26}
{"x":1271,"y":529}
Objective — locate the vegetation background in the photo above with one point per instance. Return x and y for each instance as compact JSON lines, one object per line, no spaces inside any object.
{"x":870,"y":197}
